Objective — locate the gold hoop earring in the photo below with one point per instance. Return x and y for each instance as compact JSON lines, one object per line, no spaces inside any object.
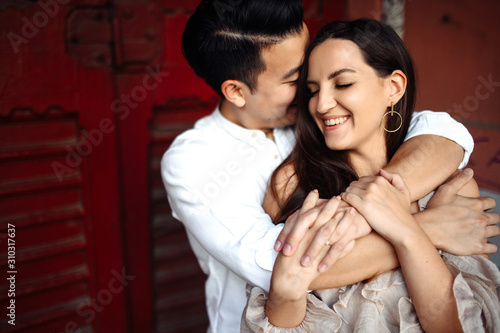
{"x":392,"y":113}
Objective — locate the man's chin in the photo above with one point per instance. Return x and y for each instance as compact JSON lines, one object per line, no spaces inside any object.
{"x":292,"y":110}
{"x":291,"y":114}
{"x":287,"y":120}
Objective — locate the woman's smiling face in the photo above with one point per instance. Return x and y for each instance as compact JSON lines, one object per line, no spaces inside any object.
{"x":348,"y":98}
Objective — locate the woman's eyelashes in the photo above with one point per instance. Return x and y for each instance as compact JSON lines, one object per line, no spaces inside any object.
{"x":312,"y":92}
{"x":343,"y":86}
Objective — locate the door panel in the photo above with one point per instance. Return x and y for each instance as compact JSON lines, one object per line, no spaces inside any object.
{"x":49,"y":218}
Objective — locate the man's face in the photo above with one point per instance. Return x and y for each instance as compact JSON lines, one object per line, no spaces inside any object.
{"x":270,"y":104}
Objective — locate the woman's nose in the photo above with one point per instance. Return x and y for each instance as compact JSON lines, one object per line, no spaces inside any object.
{"x":326,"y":101}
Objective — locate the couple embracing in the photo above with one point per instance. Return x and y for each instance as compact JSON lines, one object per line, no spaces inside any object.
{"x":332,"y":200}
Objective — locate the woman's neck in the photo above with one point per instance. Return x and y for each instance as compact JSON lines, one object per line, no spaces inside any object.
{"x":370,"y":158}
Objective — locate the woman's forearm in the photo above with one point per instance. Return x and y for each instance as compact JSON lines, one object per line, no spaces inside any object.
{"x":429,"y":281}
{"x":287,"y":299}
{"x":285,"y":313}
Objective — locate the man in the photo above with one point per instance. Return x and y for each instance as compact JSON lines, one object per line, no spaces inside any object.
{"x":216,"y":174}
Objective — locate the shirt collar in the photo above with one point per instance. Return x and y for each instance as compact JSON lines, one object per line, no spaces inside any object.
{"x":240,"y":133}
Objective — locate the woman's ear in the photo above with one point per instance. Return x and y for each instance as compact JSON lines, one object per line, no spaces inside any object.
{"x":398,"y":82}
{"x":234,"y":92}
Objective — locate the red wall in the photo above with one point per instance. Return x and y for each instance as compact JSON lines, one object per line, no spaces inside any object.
{"x":456,"y":47}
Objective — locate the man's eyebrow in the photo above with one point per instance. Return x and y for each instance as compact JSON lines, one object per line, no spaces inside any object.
{"x":335,"y":74}
{"x":290,"y":73}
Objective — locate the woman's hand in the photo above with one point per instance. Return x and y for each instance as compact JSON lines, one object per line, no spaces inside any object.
{"x":383,"y":200}
{"x":290,"y":276}
{"x":290,"y":281}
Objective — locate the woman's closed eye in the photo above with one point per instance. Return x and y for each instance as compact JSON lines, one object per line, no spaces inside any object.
{"x":343,"y":86}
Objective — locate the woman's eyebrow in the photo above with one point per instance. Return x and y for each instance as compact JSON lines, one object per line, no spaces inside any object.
{"x":340,"y":71}
{"x":335,"y":74}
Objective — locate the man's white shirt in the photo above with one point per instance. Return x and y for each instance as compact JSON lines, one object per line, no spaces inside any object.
{"x":216,"y":176}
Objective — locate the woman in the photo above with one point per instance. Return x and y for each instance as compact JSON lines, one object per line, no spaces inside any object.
{"x":356,"y":97}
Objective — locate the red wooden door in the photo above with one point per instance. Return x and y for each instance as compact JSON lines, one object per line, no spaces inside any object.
{"x":59,"y":170}
{"x":90,"y":101}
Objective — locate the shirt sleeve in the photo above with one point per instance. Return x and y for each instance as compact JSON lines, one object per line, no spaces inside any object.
{"x":242,"y":240}
{"x":442,"y":124}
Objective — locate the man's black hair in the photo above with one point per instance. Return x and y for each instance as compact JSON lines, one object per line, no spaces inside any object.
{"x":223,"y":39}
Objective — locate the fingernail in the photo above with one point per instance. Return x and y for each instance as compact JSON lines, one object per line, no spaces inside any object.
{"x":351,"y":211}
{"x":468,"y":171}
{"x":287,"y":250}
{"x":305,"y":261}
{"x":277,"y":246}
{"x":315,"y":191}
{"x":338,"y":197}
{"x":323,"y":268}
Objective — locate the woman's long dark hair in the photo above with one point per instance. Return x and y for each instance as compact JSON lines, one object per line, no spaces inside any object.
{"x":318,"y":167}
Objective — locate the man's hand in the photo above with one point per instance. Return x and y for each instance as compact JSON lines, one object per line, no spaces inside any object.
{"x":326,"y":217}
{"x":458,"y":224}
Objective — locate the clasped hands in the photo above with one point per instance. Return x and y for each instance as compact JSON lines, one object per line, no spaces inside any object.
{"x":457,"y":224}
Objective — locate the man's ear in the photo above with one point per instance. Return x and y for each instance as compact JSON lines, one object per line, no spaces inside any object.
{"x":397,"y":83}
{"x":234,"y":92}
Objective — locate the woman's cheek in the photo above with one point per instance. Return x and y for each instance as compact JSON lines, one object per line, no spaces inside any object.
{"x":313,"y":106}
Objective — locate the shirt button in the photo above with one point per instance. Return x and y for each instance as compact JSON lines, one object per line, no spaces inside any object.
{"x":254,"y":134}
{"x":276,"y":157}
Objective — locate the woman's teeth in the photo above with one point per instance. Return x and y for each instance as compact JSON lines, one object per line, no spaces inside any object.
{"x":336,"y":121}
